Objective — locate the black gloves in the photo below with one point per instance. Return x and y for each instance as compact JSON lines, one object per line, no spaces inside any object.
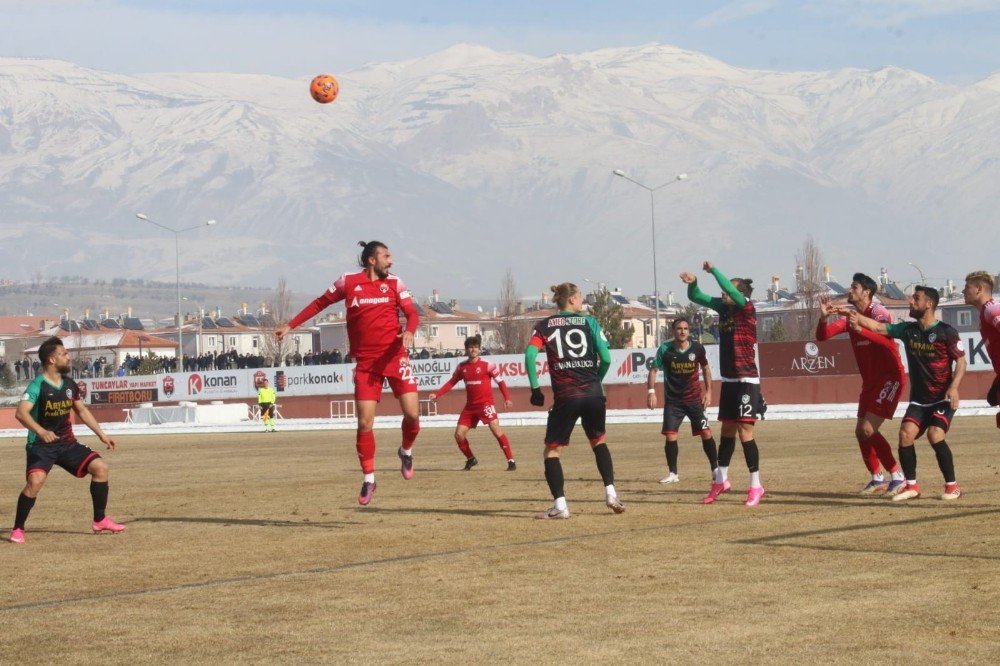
{"x":537,"y":397}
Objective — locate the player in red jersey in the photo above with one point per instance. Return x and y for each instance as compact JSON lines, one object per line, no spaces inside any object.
{"x":477,"y":375}
{"x":979,"y":286}
{"x":882,"y":381}
{"x":373,"y":298}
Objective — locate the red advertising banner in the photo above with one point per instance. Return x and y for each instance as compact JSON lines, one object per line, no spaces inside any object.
{"x":807,"y":359}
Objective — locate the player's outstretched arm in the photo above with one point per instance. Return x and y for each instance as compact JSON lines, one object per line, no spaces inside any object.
{"x":858,"y":321}
{"x":320,"y":303}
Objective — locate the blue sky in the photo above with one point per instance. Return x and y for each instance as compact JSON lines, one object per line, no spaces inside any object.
{"x":950,"y":40}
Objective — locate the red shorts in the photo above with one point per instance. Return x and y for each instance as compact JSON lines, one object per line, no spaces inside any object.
{"x":397,"y":373}
{"x":472,"y":414}
{"x":880,"y":397}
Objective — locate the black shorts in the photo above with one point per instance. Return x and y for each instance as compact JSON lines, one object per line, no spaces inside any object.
{"x":674,"y":413}
{"x":925,"y":416}
{"x":741,"y":401}
{"x":563,"y":416}
{"x":266,"y":410}
{"x":73,"y":457}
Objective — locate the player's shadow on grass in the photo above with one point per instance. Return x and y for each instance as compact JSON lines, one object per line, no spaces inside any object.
{"x":796,"y":539}
{"x":674,"y":495}
{"x":32,"y":531}
{"x":476,"y":513}
{"x":226,"y":522}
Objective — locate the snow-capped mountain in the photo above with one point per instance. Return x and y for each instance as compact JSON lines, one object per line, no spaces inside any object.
{"x":468,"y":161}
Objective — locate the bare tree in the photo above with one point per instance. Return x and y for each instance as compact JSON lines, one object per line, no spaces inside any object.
{"x":809,"y":287}
{"x":513,"y":331}
{"x":279,"y":306}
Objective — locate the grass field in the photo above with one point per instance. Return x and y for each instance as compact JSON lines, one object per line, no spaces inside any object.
{"x":253,"y":549}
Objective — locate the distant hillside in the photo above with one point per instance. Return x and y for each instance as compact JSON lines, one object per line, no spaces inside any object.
{"x":156,"y":300}
{"x":469,"y":162}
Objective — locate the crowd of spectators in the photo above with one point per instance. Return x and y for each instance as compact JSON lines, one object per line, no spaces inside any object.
{"x":23,"y":370}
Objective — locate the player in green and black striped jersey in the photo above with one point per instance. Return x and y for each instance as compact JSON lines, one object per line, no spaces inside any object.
{"x":46,"y":410}
{"x":740,"y":399}
{"x":932,"y":348}
{"x":578,"y":359}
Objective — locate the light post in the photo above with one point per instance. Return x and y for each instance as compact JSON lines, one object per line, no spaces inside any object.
{"x":177,"y":265}
{"x":923,"y":280}
{"x":598,"y":285}
{"x":652,"y":218}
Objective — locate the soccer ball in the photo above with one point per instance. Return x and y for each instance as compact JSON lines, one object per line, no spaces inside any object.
{"x":324,"y":88}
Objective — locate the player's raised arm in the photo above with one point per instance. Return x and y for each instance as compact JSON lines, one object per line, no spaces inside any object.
{"x":696,"y":295}
{"x":726,"y":284}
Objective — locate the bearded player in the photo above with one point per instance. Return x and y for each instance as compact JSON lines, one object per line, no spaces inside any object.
{"x":46,"y":410}
{"x":478,"y":375}
{"x":373,"y":298}
{"x":882,"y":381}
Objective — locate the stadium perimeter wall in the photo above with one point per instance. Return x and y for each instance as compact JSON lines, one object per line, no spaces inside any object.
{"x":793,"y":373}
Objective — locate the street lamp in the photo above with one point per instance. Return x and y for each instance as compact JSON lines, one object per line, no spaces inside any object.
{"x":652,"y":218}
{"x":177,"y":265}
{"x":923,"y":280}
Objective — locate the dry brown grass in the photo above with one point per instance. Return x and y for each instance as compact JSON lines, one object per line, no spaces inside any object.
{"x":253,"y":549}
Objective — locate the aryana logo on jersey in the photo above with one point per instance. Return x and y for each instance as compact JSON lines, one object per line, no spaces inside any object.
{"x":358,"y":302}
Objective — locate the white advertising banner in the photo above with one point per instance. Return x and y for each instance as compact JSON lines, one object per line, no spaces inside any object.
{"x":628,"y":366}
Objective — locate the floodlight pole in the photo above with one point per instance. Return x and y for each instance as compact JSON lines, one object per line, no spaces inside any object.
{"x":652,"y":220}
{"x":177,"y":268}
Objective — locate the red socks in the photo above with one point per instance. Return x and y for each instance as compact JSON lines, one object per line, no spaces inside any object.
{"x":410,"y":431}
{"x":505,"y":445}
{"x":366,"y":451}
{"x":884,"y":451}
{"x":869,"y":455}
